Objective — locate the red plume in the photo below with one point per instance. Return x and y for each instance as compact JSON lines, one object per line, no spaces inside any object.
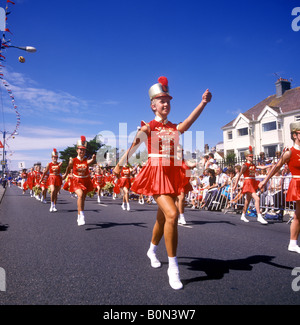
{"x":163,"y":81}
{"x":250,"y":149}
{"x":82,"y":138}
{"x":54,"y":150}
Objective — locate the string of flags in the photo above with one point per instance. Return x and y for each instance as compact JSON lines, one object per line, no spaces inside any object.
{"x":4,"y":43}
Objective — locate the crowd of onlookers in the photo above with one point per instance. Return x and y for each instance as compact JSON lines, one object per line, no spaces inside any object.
{"x":212,"y":189}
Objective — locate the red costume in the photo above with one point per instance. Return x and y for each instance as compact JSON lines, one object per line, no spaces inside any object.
{"x":98,"y":180}
{"x":54,"y":175}
{"x":36,"y":178}
{"x":293,"y":193}
{"x":125,"y":180}
{"x":29,"y":182}
{"x":186,"y":179}
{"x":44,"y":181}
{"x":81,"y":176}
{"x":250,"y":183}
{"x":162,"y":173}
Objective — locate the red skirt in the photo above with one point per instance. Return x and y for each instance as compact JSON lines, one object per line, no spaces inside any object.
{"x":250,"y":186}
{"x":293,"y":193}
{"x":84,"y":184}
{"x":124,"y":182}
{"x":96,"y":184}
{"x":156,"y":179}
{"x":187,"y":186}
{"x":55,"y":180}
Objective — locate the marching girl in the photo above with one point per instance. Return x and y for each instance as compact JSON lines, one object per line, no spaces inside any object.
{"x":37,"y":176}
{"x":125,"y":184}
{"x":160,"y":177}
{"x":98,"y":182}
{"x":291,"y":158}
{"x":24,"y":178}
{"x":44,"y":185}
{"x":250,"y":186}
{"x":81,"y":182}
{"x":28,"y":184}
{"x":54,"y":180}
{"x":116,"y":189}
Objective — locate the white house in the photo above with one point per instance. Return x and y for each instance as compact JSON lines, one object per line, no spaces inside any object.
{"x":265,"y":126}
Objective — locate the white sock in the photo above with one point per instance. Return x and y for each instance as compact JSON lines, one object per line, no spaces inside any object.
{"x":173,"y":264}
{"x":52,"y":204}
{"x":293,"y":242}
{"x":181,"y":215}
{"x":152,"y":248}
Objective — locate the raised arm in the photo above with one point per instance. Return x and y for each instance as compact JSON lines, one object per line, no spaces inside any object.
{"x":186,"y":124}
{"x":92,"y":160}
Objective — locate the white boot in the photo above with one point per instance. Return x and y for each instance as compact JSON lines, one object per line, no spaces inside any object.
{"x":173,"y":273}
{"x":243,"y":218}
{"x":293,"y":246}
{"x":123,"y":206}
{"x":261,"y":219}
{"x":155,"y":263}
{"x":80,"y":219}
{"x":128,"y":207}
{"x":181,"y":219}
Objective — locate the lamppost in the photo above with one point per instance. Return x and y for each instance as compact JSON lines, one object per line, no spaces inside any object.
{"x":29,"y":49}
{"x":3,"y":160}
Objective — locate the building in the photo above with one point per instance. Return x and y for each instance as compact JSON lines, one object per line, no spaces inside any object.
{"x":265,"y":126}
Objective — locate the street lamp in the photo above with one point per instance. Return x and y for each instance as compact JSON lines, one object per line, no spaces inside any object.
{"x":29,"y":49}
{"x":3,"y":161}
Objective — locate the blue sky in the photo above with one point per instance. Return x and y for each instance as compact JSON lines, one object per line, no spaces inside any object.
{"x":96,"y":60}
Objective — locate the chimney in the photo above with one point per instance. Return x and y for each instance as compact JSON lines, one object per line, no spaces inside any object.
{"x":282,"y":85}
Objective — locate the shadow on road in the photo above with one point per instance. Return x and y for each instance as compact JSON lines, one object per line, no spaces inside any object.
{"x":216,"y":269}
{"x":3,"y":227}
{"x":106,"y":225}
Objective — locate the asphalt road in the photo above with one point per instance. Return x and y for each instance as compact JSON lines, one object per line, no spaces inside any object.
{"x":49,"y":260}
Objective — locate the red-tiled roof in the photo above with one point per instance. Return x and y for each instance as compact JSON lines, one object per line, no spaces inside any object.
{"x":288,"y":102}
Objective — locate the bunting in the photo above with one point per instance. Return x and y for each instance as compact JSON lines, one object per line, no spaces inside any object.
{"x":4,"y":43}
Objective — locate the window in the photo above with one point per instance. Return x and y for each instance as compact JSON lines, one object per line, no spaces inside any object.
{"x":242,"y":132}
{"x":269,"y":126}
{"x":297,"y":118}
{"x":229,"y":135}
{"x":270,"y":150}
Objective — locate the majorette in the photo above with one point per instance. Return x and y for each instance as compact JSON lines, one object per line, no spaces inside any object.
{"x":54,"y":179}
{"x":250,"y":185}
{"x":81,"y":182}
{"x":160,"y":177}
{"x":292,"y":158}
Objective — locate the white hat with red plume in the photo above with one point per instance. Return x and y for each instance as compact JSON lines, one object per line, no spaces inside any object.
{"x":161,"y":89}
{"x":82,"y":143}
{"x":54,"y":153}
